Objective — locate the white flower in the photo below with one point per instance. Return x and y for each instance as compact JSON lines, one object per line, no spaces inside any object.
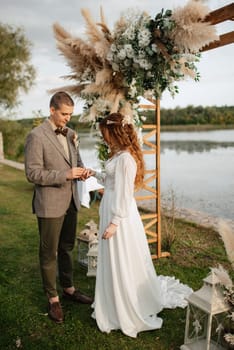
{"x":229,"y":338}
{"x":145,"y":64}
{"x":231,"y":316}
{"x":121,"y":54}
{"x":144,"y":37}
{"x":127,"y":120}
{"x":113,"y":48}
{"x":127,"y":63}
{"x":129,"y":34}
{"x":75,"y":140}
{"x":129,"y":50}
{"x":132,"y":91}
{"x":154,"y":48}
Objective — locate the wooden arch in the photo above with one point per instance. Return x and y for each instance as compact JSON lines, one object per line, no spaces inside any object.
{"x":152,"y":221}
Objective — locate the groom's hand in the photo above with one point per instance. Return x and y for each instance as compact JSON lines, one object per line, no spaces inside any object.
{"x":75,"y":173}
{"x":86,"y":174}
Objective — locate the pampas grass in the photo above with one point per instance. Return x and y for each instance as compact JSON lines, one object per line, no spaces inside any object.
{"x":222,"y":275}
{"x":190,"y":33}
{"x":97,"y":37}
{"x":92,"y":30}
{"x":78,"y":53}
{"x":227,"y":236}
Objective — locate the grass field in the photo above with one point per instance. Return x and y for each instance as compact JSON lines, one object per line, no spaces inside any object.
{"x":23,"y":320}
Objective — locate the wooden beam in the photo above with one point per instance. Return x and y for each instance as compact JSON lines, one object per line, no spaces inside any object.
{"x":220,"y":15}
{"x":224,"y":39}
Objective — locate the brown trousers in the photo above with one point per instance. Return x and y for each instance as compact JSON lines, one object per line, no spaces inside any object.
{"x":57,"y":240}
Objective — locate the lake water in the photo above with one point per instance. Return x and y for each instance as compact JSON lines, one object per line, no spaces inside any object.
{"x":197,"y":167}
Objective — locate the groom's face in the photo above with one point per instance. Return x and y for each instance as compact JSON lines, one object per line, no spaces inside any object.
{"x":61,"y":116}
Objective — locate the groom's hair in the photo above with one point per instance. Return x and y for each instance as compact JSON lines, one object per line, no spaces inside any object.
{"x":59,"y":98}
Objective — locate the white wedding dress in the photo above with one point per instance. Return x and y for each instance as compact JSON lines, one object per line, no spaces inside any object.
{"x":128,"y":292}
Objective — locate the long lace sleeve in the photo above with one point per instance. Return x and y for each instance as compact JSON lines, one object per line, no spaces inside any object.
{"x":100,"y":176}
{"x":125,"y":173}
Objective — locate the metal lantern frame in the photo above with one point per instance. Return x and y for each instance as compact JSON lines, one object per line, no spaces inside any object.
{"x":92,"y":256}
{"x":206,"y":313}
{"x":86,"y":236}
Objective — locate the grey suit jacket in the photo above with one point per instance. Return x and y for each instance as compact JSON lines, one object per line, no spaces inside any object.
{"x":46,"y":165}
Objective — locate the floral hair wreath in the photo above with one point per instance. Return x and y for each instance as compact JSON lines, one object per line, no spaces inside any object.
{"x":127,"y":120}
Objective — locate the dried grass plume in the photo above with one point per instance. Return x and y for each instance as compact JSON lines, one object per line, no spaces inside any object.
{"x":191,"y":33}
{"x":227,"y":236}
{"x":222,"y":275}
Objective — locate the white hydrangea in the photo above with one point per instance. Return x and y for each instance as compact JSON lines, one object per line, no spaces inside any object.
{"x":129,"y":33}
{"x":144,"y":37}
{"x":145,"y":64}
{"x":121,"y":54}
{"x":129,"y":50}
{"x":154,"y":48}
{"x":113,"y":48}
{"x":127,"y":63}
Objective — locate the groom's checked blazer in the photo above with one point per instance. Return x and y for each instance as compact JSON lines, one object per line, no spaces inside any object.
{"x":46,"y":165}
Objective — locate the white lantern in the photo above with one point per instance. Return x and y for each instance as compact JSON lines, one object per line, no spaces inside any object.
{"x":92,"y":257}
{"x":84,"y":238}
{"x":206,"y":314}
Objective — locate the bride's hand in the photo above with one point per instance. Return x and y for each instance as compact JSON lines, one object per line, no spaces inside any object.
{"x":110,"y":231}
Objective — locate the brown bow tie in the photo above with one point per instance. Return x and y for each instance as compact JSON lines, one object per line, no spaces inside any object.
{"x":61,"y":131}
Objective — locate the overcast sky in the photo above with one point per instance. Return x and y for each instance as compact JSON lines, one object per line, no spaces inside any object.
{"x":216,"y":86}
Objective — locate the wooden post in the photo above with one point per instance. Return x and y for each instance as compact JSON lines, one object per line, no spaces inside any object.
{"x":1,"y":147}
{"x":152,"y":220}
{"x":157,"y":161}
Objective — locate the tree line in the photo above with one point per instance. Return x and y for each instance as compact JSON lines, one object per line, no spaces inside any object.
{"x":15,"y":131}
{"x":193,"y":115}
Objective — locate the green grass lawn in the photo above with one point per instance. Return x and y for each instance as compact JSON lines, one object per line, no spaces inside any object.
{"x":23,"y":320}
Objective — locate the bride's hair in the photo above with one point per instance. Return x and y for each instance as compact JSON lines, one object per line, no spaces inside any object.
{"x":119,"y":132}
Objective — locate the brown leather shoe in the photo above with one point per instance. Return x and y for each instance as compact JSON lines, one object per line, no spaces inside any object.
{"x":55,"y":312}
{"x":78,"y":297}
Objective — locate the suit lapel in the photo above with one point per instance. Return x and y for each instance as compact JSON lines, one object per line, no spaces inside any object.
{"x":71,"y":147}
{"x":48,"y":131}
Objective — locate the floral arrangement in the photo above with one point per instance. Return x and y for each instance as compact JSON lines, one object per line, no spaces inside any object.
{"x":140,"y":56}
{"x":75,"y":140}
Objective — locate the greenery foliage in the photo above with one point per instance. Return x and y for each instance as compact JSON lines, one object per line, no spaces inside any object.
{"x":16,"y":72}
{"x":14,"y":134}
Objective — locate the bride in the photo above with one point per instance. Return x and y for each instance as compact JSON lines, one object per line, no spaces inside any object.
{"x":128,"y":293}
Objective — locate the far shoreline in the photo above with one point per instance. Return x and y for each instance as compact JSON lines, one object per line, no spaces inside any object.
{"x":196,"y":127}
{"x":176,"y":128}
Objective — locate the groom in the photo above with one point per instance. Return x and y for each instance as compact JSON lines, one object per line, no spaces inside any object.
{"x":53,"y":164}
